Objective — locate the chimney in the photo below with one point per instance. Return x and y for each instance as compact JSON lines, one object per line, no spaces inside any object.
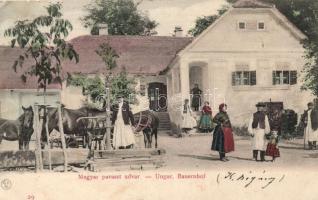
{"x":102,"y":29}
{"x":178,"y":31}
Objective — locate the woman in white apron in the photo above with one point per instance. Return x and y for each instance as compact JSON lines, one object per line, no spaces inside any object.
{"x":123,"y":135}
{"x":188,"y":122}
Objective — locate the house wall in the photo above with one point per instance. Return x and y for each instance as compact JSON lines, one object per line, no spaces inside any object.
{"x":73,"y":98}
{"x":13,"y":100}
{"x":223,"y":48}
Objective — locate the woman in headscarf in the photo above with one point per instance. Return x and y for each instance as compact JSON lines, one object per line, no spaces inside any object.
{"x":123,"y":120}
{"x":188,"y":122}
{"x":223,"y":141}
{"x":206,"y":123}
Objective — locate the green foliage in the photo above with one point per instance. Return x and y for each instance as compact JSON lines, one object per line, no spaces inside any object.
{"x":95,"y":87}
{"x":121,"y":16}
{"x":47,"y":49}
{"x":204,"y":22}
{"x":288,"y":124}
{"x":108,"y":55}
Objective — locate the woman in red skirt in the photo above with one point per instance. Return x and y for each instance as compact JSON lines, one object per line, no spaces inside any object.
{"x":223,"y":141}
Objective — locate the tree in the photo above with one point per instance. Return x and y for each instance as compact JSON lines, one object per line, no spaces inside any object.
{"x":94,"y":88}
{"x":46,"y":48}
{"x":204,"y":22}
{"x":121,"y":16}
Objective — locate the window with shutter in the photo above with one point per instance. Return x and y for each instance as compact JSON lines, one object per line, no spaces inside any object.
{"x":253,"y":78}
{"x":233,"y":78}
{"x":274,"y":77}
{"x":243,"y":78}
{"x":293,"y":77}
{"x":284,"y":77}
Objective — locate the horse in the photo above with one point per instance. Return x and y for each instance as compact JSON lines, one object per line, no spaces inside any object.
{"x":70,"y":122}
{"x":145,"y":121}
{"x":148,"y":123}
{"x":20,"y":129}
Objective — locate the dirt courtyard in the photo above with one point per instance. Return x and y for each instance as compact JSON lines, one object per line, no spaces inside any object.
{"x":193,"y":153}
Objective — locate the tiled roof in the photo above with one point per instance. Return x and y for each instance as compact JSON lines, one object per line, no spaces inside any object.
{"x":137,"y":54}
{"x":10,"y":79}
{"x":251,"y":4}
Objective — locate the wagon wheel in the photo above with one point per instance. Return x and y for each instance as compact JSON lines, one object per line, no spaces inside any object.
{"x":71,"y":142}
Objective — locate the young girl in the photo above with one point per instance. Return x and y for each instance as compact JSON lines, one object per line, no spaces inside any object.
{"x":188,"y":122}
{"x":206,"y":124}
{"x":272,"y":149}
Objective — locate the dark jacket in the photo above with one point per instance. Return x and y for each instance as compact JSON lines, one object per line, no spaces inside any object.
{"x":313,"y":117}
{"x":222,"y":118}
{"x":126,"y":113}
{"x":259,"y":119}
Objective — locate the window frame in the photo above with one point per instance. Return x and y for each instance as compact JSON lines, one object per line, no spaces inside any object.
{"x":239,"y":78}
{"x":238,"y":25}
{"x":259,"y":29}
{"x":283,"y":78}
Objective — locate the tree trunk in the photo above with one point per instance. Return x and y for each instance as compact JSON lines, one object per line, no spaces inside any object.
{"x":107,"y":135}
{"x":62,"y":136}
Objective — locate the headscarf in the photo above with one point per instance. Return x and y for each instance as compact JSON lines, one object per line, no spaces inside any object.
{"x":221,"y":106}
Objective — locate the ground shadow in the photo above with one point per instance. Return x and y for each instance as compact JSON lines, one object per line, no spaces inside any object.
{"x":200,"y":157}
{"x":240,"y":158}
{"x":213,"y":157}
{"x":314,"y":155}
{"x":289,"y":147}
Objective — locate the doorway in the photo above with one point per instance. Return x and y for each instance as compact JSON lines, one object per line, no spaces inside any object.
{"x":157,"y":93}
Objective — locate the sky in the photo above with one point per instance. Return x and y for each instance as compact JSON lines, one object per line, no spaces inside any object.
{"x":168,"y":13}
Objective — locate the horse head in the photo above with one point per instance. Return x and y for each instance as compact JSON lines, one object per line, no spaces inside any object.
{"x":26,"y":119}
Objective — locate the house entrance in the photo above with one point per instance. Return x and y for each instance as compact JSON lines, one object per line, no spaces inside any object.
{"x":157,"y":93}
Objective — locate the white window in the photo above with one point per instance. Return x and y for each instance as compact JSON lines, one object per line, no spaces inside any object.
{"x":284,"y":77}
{"x":243,"y":78}
{"x":242,"y":25}
{"x":260,"y":26}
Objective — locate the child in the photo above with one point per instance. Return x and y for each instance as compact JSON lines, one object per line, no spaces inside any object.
{"x":272,"y":149}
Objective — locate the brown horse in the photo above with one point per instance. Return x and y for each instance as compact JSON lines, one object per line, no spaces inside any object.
{"x":20,"y":129}
{"x":148,"y":123}
{"x":71,"y":125}
{"x":145,"y":121}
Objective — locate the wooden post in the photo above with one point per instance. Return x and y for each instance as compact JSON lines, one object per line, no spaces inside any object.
{"x":38,"y":152}
{"x":62,"y":136}
{"x":106,"y":138}
{"x":48,"y":136}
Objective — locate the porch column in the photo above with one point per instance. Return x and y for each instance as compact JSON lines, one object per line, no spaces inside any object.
{"x":184,"y":79}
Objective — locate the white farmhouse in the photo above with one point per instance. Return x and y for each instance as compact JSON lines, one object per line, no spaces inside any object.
{"x":252,"y":53}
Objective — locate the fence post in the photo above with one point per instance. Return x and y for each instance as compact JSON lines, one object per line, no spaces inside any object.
{"x":38,"y":151}
{"x":62,"y":135}
{"x":47,"y":135}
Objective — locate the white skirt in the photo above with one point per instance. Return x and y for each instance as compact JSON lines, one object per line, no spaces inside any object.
{"x":188,"y":121}
{"x":311,"y":135}
{"x":123,"y":134}
{"x":259,"y":141}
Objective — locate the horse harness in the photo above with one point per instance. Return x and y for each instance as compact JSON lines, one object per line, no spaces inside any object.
{"x":143,"y":126}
